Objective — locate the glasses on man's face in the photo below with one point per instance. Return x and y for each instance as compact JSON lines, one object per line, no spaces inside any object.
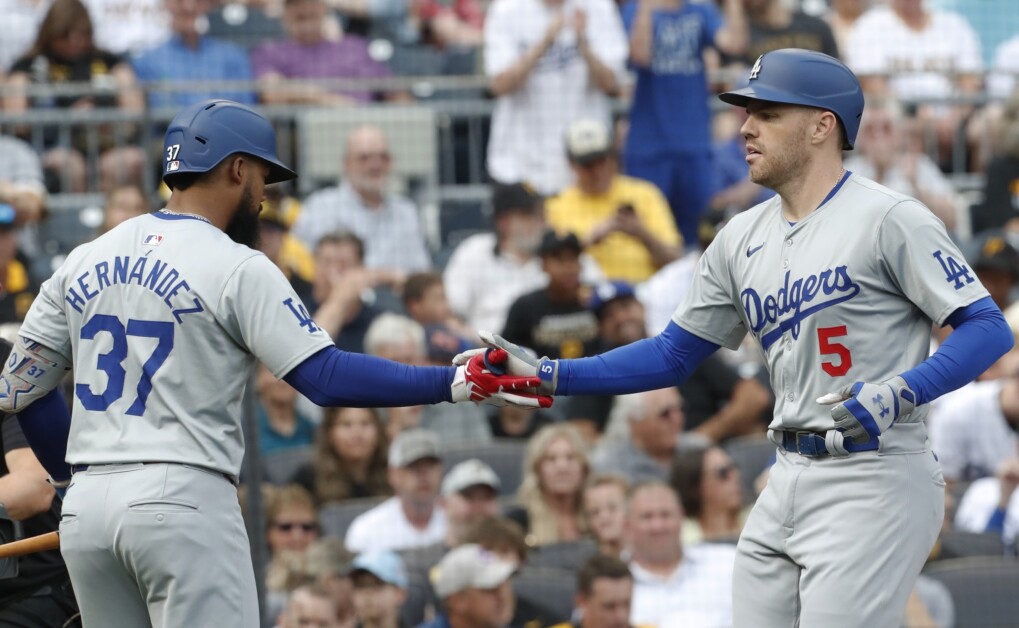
{"x":724,"y":473}
{"x":288,"y":526}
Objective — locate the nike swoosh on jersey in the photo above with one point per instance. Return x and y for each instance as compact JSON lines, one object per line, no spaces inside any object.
{"x":751,"y":251}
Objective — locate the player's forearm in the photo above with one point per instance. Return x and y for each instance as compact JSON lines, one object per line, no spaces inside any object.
{"x":665,"y":360}
{"x":981,"y":336}
{"x":338,"y":378}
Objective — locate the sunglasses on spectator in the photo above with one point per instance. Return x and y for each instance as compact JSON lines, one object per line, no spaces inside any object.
{"x":723,"y":473}
{"x":287,"y":526}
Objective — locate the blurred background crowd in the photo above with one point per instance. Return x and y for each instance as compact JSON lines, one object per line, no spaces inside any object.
{"x":549,"y":170}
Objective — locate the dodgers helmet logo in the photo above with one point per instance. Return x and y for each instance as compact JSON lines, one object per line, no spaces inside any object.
{"x":754,"y":71}
{"x":802,"y":297}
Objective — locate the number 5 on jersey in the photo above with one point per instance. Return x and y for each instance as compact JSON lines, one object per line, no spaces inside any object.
{"x":112,"y":362}
{"x":840,"y":367}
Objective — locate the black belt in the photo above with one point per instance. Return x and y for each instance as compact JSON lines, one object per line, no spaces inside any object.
{"x":75,"y":468}
{"x":812,"y":444}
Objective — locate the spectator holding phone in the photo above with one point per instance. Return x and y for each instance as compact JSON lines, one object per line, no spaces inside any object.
{"x":625,"y":224}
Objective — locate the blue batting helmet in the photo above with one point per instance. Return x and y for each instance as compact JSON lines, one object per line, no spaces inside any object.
{"x":803,"y":77}
{"x":206,"y":133}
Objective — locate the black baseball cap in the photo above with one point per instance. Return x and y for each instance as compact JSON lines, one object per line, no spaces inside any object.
{"x":552,"y":242}
{"x":514,"y":197}
{"x":996,"y":252}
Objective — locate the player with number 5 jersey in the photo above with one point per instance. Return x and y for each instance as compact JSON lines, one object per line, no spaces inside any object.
{"x":163,"y":319}
{"x":838,"y":280}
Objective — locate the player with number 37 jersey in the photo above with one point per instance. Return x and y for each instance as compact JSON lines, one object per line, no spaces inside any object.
{"x":163,"y":319}
{"x":195,"y":322}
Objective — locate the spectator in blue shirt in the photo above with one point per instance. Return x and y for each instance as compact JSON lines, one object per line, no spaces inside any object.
{"x":190,"y":56}
{"x":669,"y":141}
{"x":280,"y":424}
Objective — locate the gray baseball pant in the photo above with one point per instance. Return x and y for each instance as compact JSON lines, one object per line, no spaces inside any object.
{"x":160,"y":545}
{"x":839,"y":542}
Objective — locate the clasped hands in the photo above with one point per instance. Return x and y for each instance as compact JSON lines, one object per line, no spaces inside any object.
{"x":500,"y":374}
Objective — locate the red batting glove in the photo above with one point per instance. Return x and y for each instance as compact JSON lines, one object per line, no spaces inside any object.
{"x":481,"y":379}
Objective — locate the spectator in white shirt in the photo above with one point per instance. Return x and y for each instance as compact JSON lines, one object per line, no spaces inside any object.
{"x":991,"y":504}
{"x":388,"y":224}
{"x":488,"y":271}
{"x":549,"y":62}
{"x":973,"y":429}
{"x":414,"y":516}
{"x":674,"y":585}
{"x":912,"y":52}
{"x":890,"y":153}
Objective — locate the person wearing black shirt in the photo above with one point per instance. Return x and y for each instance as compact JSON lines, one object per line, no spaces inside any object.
{"x":554,"y":320}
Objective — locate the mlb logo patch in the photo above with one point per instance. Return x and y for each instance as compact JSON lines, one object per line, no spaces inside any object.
{"x":153,"y":239}
{"x":173,"y":166}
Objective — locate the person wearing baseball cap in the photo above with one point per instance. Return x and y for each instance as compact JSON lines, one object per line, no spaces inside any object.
{"x":996,"y":263}
{"x":487,"y":271}
{"x":414,"y":516}
{"x":625,"y":224}
{"x":471,"y":582}
{"x":553,"y":320}
{"x":469,"y":493}
{"x":380,"y":588}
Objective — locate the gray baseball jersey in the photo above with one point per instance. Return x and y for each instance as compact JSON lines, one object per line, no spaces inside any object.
{"x":163,"y":318}
{"x":847,"y":294}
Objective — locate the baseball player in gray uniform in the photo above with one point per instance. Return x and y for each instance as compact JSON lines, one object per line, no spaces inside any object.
{"x":163,"y":319}
{"x":838,"y":279}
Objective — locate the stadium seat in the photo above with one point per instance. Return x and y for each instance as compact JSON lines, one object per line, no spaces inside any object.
{"x":960,"y":544}
{"x":549,"y":591}
{"x":505,"y":456}
{"x":751,"y":455}
{"x":568,"y":555}
{"x":984,"y":590}
{"x":336,"y":517}
{"x":279,"y":467}
{"x":421,"y":604}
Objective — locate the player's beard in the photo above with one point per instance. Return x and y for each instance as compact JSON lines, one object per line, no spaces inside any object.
{"x":781,"y":164}
{"x":243,"y":227}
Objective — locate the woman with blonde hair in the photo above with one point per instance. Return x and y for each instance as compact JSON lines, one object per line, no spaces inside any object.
{"x":350,"y":457}
{"x":550,"y":507}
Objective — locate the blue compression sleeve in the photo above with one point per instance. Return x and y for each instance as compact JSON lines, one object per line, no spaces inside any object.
{"x":46,"y":424}
{"x":979,"y":338}
{"x":339,"y":378}
{"x":665,"y":360}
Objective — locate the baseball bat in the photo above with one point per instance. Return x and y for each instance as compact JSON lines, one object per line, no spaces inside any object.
{"x":31,"y":545}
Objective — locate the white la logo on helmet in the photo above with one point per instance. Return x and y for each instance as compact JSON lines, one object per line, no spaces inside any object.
{"x":757,"y":68}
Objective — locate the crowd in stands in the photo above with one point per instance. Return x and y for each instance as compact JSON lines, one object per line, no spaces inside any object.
{"x":609,"y":171}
